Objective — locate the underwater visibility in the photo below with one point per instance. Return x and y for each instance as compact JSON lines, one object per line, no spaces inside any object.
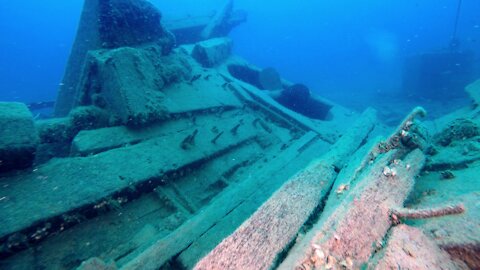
{"x":224,"y":134}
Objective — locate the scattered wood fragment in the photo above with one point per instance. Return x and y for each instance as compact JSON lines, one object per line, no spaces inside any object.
{"x":234,"y":130}
{"x":189,"y":141}
{"x":402,"y":131}
{"x":214,"y":140}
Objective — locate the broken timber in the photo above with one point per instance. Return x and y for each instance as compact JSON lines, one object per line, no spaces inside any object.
{"x":260,"y":239}
{"x":247,"y":194}
{"x":343,"y":237}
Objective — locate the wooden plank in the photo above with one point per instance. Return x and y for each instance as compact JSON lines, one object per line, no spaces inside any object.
{"x":84,"y":183}
{"x":294,"y":159}
{"x":363,"y":217}
{"x":88,"y":142}
{"x":260,"y":240}
{"x":162,"y":250}
{"x":264,"y":100}
{"x":386,"y":176}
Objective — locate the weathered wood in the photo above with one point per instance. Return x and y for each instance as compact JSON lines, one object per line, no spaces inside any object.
{"x":84,"y":184}
{"x":402,"y":137}
{"x":109,"y":24}
{"x":251,"y":95}
{"x":260,"y":240}
{"x":88,"y":142}
{"x":409,"y":248}
{"x":257,"y":243}
{"x":294,"y":159}
{"x":160,"y":251}
{"x":429,"y":212}
{"x":363,"y":217}
{"x":347,"y":232}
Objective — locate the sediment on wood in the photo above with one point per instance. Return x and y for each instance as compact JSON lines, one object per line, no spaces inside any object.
{"x":260,"y":240}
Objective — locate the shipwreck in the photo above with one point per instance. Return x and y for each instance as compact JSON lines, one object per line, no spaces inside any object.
{"x":169,"y":152}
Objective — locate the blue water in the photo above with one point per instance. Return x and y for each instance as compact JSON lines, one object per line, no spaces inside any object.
{"x":344,"y":50}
